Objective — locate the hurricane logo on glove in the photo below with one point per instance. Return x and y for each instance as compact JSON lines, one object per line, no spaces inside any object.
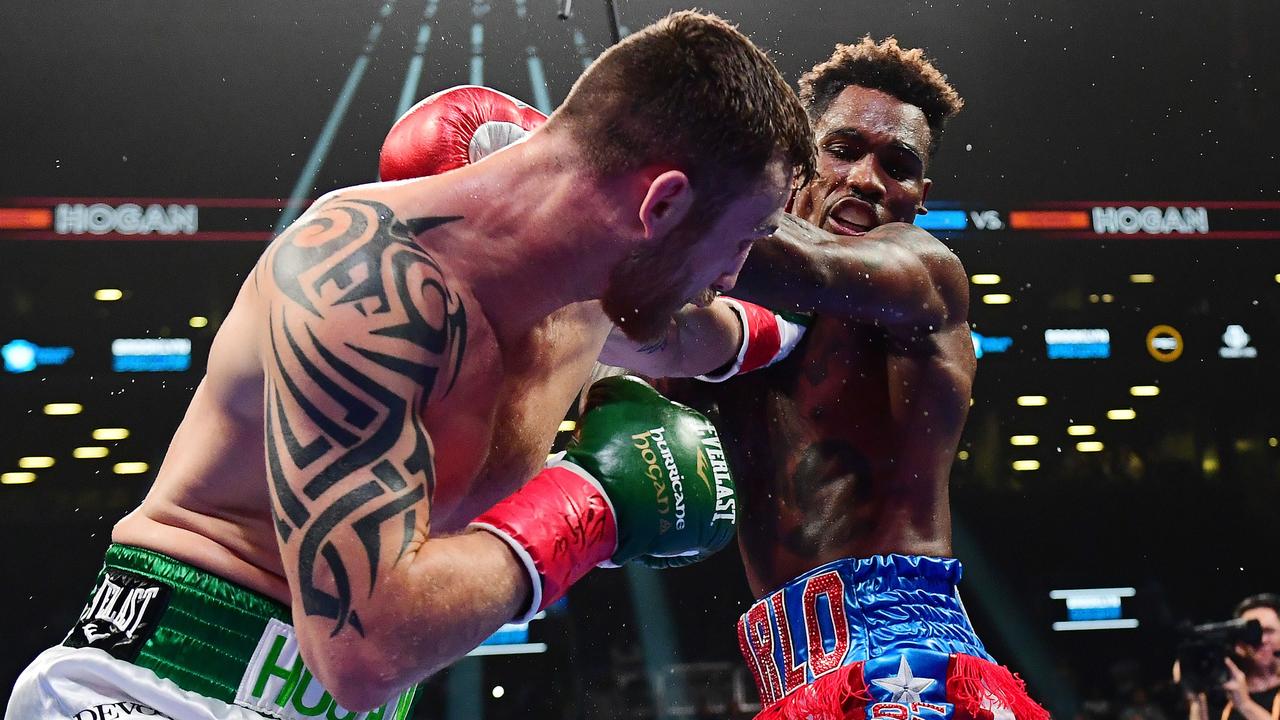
{"x":650,"y":443}
{"x":662,"y":469}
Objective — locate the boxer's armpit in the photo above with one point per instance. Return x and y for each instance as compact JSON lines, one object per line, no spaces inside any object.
{"x":362,"y":331}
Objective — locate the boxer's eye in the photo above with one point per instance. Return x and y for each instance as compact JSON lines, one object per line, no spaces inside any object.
{"x":902,"y":171}
{"x":902,"y":165}
{"x":899,"y":172}
{"x":841,"y":151}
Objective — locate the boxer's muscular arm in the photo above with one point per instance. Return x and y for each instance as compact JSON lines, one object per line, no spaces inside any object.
{"x":897,"y":276}
{"x":698,"y":341}
{"x":362,"y":333}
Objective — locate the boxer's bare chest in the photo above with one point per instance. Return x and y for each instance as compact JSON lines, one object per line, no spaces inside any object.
{"x":492,"y":431}
{"x":833,"y":390}
{"x":820,"y":449}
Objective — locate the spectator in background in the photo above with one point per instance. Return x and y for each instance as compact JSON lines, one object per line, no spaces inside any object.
{"x":1252,"y":690}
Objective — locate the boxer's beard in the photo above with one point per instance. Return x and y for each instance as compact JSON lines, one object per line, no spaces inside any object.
{"x":648,"y":286}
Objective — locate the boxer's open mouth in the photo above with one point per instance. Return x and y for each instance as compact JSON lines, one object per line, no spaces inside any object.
{"x":851,"y":216}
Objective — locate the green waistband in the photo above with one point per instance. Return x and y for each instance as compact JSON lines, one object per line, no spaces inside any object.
{"x":206,"y":637}
{"x":209,"y":629}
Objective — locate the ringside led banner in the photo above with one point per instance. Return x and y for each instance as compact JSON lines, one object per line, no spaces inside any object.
{"x":160,"y":218}
{"x":125,"y":219}
{"x":1136,"y":220}
{"x":140,"y":218}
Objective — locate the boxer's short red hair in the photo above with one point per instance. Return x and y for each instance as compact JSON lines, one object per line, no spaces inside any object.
{"x":693,"y":92}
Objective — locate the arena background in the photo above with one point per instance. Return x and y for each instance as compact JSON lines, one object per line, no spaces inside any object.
{"x":1079,"y":117}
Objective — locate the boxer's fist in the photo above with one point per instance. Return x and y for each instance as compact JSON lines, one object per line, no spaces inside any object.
{"x":452,"y":128}
{"x":646,"y":479}
{"x":663,"y":469}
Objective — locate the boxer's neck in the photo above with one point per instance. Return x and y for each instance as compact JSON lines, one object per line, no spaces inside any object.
{"x":543,"y":235}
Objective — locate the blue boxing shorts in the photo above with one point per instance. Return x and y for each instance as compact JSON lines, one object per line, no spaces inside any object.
{"x":878,"y":638}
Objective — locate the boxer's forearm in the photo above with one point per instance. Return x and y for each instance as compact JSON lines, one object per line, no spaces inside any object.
{"x":895,"y":275}
{"x":698,"y":341}
{"x":439,"y":601}
{"x":787,"y":270}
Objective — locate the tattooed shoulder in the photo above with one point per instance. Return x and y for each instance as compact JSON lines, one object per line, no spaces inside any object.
{"x":356,"y":255}
{"x":362,"y":331}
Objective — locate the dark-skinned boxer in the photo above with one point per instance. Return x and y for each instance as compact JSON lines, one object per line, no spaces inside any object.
{"x":843,"y":436}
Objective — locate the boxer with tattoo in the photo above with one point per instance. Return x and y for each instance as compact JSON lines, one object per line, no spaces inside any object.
{"x":843,"y":436}
{"x":347,"y":505}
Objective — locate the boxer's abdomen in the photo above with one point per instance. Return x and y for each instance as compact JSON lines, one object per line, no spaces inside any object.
{"x":836,"y":454}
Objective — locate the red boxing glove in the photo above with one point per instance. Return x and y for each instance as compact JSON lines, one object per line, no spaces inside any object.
{"x":453,"y":128}
{"x":560,"y":525}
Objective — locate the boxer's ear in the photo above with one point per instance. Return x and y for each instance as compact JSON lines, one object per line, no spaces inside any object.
{"x":801,"y":203}
{"x":798,"y":183}
{"x":665,"y":204}
{"x":925,"y":184}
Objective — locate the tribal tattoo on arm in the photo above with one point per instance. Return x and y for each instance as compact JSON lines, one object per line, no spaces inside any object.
{"x":362,"y":329}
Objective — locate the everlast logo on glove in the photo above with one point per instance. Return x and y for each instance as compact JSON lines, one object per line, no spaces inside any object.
{"x":661,"y":482}
{"x":120,"y":615}
{"x":726,"y":505}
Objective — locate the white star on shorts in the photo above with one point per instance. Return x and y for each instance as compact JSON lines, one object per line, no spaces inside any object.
{"x":905,"y":686}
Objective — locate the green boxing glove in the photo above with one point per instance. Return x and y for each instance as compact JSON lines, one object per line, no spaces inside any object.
{"x":645,"y":479}
{"x":663,"y":469}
